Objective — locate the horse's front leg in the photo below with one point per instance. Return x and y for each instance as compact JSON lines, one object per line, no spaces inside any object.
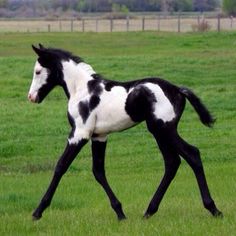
{"x":98,"y":151}
{"x":62,"y":166}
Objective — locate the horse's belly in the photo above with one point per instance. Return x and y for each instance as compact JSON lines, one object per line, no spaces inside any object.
{"x":111,"y":115}
{"x":112,"y":122}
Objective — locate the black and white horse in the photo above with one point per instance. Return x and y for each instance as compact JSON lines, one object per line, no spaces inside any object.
{"x":98,"y":107}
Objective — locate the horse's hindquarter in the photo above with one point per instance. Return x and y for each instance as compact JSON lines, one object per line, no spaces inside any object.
{"x":149,"y":100}
{"x":111,"y":115}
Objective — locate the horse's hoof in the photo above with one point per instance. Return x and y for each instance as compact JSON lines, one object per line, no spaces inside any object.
{"x":218,"y":214}
{"x":36,"y":217}
{"x":146,"y":216}
{"x":121,"y":218}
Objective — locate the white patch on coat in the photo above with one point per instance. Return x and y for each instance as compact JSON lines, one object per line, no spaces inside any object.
{"x":110,"y":113}
{"x":163,"y":108}
{"x":82,"y":131}
{"x":76,"y":76}
{"x":79,"y":135}
{"x":39,"y":79}
{"x":86,"y":67}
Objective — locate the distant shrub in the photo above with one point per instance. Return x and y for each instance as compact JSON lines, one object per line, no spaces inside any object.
{"x":203,"y":26}
{"x":118,"y":12}
{"x":115,"y":15}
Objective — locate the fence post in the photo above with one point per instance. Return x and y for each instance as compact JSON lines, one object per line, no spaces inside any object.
{"x":218,"y":23}
{"x":111,"y":24}
{"x":83,"y":25}
{"x":231,"y":22}
{"x":96,"y":25}
{"x":60,"y":26}
{"x":127,"y":23}
{"x":143,"y":24}
{"x":49,"y":28}
{"x":179,"y":22}
{"x":71,"y":25}
{"x":158,"y":22}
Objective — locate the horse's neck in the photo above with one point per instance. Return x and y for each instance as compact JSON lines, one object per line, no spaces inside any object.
{"x":76,"y":77}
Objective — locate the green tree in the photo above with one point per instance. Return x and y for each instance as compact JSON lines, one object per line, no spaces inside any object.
{"x":3,"y":3}
{"x":229,"y":7}
{"x":81,"y":5}
{"x":205,"y":5}
{"x":183,"y":5}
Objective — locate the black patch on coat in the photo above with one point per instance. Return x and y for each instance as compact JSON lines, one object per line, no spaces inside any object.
{"x":84,"y":110}
{"x":86,"y":107}
{"x":94,"y":87}
{"x":93,"y":102}
{"x":72,"y":124}
{"x":98,"y":77}
{"x":139,"y":103}
{"x":45,"y":89}
{"x":109,"y":84}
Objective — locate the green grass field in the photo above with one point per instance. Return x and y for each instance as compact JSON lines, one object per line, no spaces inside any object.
{"x":32,"y":137}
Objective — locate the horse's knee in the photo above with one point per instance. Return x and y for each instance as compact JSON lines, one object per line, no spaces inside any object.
{"x":192,"y":155}
{"x":177,"y":162}
{"x":196,"y":161}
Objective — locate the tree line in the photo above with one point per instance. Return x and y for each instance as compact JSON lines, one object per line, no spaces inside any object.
{"x":33,"y":8}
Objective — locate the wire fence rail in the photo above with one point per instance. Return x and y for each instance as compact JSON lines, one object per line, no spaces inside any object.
{"x":177,"y":23}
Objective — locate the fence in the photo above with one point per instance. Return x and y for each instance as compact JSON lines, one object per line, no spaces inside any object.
{"x":179,"y":23}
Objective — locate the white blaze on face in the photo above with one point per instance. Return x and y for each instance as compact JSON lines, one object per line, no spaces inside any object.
{"x":39,"y":79}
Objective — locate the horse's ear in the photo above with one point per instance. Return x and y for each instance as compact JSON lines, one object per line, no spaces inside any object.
{"x":41,"y":46}
{"x":38,"y":51}
{"x":41,"y":51}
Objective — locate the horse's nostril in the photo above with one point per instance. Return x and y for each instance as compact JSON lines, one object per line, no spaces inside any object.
{"x":31,"y":97}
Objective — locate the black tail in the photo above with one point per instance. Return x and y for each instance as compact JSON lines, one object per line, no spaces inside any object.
{"x":204,"y":115}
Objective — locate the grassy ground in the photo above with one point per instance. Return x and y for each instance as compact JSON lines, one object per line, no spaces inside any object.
{"x":33,"y":136}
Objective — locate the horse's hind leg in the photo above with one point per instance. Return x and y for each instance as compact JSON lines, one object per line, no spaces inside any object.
{"x":192,"y":155}
{"x":172,"y":162}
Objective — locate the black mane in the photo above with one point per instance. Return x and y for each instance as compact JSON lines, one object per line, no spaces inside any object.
{"x":64,"y":55}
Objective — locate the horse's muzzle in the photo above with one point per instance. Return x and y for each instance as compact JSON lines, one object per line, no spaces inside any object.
{"x":33,"y":98}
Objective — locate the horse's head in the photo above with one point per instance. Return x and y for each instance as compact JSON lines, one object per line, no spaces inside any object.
{"x":47,"y":73}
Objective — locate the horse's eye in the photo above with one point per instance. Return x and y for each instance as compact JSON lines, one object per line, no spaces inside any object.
{"x":37,"y":72}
